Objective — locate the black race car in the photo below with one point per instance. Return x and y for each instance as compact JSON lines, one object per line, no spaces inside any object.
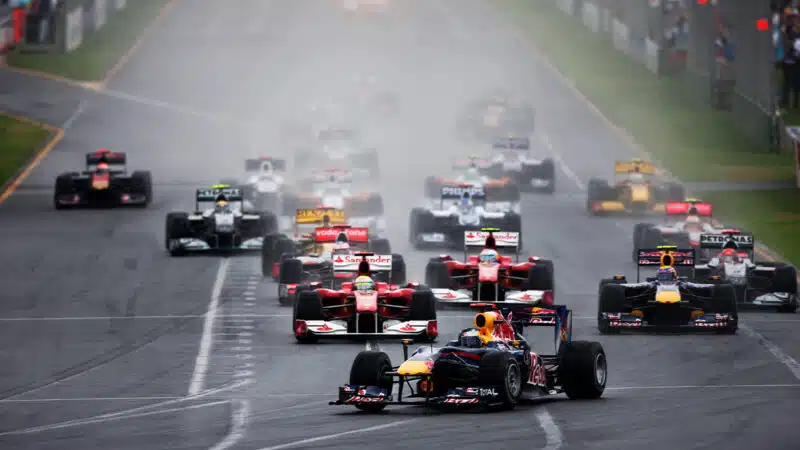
{"x":104,"y":182}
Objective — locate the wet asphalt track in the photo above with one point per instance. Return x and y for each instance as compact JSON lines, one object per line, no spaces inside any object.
{"x":101,"y":331}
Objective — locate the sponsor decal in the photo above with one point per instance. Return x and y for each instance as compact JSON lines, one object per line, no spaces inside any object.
{"x":538,"y":376}
{"x":622,"y":324}
{"x":355,"y":259}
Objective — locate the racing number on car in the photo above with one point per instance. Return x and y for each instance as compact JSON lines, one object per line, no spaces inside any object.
{"x":538,"y":376}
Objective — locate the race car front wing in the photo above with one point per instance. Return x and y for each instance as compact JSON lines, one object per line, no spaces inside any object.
{"x":199,"y":245}
{"x":391,"y":329}
{"x":705,"y":322}
{"x":352,"y":395}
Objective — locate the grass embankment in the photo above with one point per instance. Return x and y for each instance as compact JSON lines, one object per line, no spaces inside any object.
{"x":689,"y":139}
{"x":99,"y":52}
{"x":19,"y":141}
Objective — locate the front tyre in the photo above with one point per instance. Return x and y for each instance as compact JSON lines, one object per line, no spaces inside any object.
{"x":583,"y":370}
{"x":370,"y":369}
{"x":501,"y":371}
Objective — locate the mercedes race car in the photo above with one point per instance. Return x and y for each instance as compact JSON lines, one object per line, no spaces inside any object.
{"x":693,"y":219}
{"x":489,"y":118}
{"x":339,"y":148}
{"x":365,"y":308}
{"x":218,"y":223}
{"x":766,"y":284}
{"x":264,"y":184}
{"x":635,"y":191}
{"x":104,"y":182}
{"x":512,"y":160}
{"x":461,"y":209}
{"x":489,"y":275}
{"x":666,"y":301}
{"x":491,"y":365}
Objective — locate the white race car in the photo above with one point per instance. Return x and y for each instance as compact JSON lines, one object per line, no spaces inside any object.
{"x":512,"y":159}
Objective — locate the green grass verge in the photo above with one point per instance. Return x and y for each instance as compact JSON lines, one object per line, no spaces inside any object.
{"x":773,"y":216}
{"x":100,"y":51}
{"x":690,"y":140}
{"x":19,"y":141}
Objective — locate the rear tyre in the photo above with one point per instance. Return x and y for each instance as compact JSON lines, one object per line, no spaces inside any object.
{"x":423,"y":306}
{"x":308,"y":306}
{"x":540,"y":276}
{"x":785,"y":280}
{"x":437,"y":275}
{"x":268,"y":253}
{"x":501,"y":371}
{"x":177,"y":227}
{"x":291,"y":272}
{"x":381,"y":246}
{"x":597,"y":192}
{"x":611,"y":300}
{"x":583,"y":370}
{"x":723,"y":300}
{"x":370,"y":369}
{"x":398,"y":270}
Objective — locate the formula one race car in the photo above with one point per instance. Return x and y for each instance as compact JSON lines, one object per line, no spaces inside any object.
{"x":329,"y":261}
{"x":446,"y":225}
{"x":512,"y":160}
{"x":334,"y":190}
{"x":264,"y":184}
{"x":365,"y":308}
{"x":489,"y":275}
{"x":495,"y":116}
{"x":490,"y":366}
{"x":693,"y":219}
{"x":105,"y":182}
{"x":223,"y":225}
{"x":763,"y":284}
{"x":635,"y":191}
{"x":339,"y":148}
{"x":666,"y":301}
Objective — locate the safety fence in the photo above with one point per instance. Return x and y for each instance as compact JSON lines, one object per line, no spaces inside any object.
{"x":722,"y":51}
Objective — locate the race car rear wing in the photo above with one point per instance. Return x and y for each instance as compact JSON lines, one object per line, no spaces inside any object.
{"x":665,"y":256}
{"x":512,"y":144}
{"x":233,"y":195}
{"x":324,"y":235}
{"x":503,"y":240}
{"x":457,"y":192}
{"x":634,"y":167}
{"x":317,"y":216}
{"x":350,"y":263}
{"x":683,"y":208}
{"x":117,"y":159}
{"x":519,"y":317}
{"x":256,"y":164}
{"x":743,"y":241}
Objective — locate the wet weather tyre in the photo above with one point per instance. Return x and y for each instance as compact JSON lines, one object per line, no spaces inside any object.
{"x":501,"y":371}
{"x":370,"y":369}
{"x":583,"y":370}
{"x":291,"y":272}
{"x":423,"y":306}
{"x":540,"y":276}
{"x":611,"y":299}
{"x":723,"y":300}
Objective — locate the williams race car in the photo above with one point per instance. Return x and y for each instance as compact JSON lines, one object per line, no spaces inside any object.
{"x":489,"y":275}
{"x":767,"y":284}
{"x":635,"y":191}
{"x":490,"y":366}
{"x":365,"y":308}
{"x":666,"y":301}
{"x":512,"y":159}
{"x":104,"y":182}
{"x":461,"y":209}
{"x":682,"y":227}
{"x":222,"y":225}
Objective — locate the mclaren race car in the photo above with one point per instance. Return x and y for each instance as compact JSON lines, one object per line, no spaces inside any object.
{"x":218,"y":223}
{"x":264,"y":183}
{"x":461,"y":209}
{"x":339,"y":148}
{"x":635,"y":191}
{"x":488,"y":118}
{"x":666,"y":301}
{"x":365,"y":308}
{"x":491,"y":365}
{"x":512,"y":160}
{"x":329,"y":261}
{"x":766,"y":284}
{"x":490,"y":275}
{"x":104,"y":182}
{"x":682,"y":227}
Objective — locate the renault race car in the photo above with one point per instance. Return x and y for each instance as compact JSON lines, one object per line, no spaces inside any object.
{"x":635,"y":191}
{"x":502,"y":194}
{"x":495,"y":116}
{"x":218,"y":223}
{"x":490,"y":275}
{"x":365,"y":308}
{"x":339,"y":148}
{"x":682,"y":227}
{"x":769,"y":284}
{"x":104,"y":182}
{"x":464,"y":211}
{"x":264,"y":183}
{"x":666,"y":301}
{"x":491,"y":365}
{"x":512,"y":160}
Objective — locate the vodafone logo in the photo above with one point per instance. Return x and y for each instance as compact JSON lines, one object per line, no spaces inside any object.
{"x":353,"y":259}
{"x":351,"y":233}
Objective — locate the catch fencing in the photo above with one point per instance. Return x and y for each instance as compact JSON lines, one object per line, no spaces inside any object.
{"x":721,"y":50}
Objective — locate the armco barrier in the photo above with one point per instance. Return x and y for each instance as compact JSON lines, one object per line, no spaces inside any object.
{"x":714,"y":47}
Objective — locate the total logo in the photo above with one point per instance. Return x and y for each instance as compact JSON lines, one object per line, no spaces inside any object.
{"x":352,"y":259}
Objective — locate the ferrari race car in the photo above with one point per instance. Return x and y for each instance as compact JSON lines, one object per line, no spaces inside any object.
{"x":495,"y":116}
{"x":339,"y":148}
{"x":446,"y":225}
{"x":330,"y":261}
{"x":635,"y":191}
{"x":264,"y":184}
{"x":365,"y":308}
{"x":489,"y":275}
{"x":104,"y":182}
{"x":666,"y":301}
{"x":693,"y":219}
{"x":512,"y":160}
{"x":491,"y":365}
{"x":763,"y":284}
{"x":218,"y":223}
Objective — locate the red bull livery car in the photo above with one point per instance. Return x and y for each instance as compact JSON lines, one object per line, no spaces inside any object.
{"x":104,"y":182}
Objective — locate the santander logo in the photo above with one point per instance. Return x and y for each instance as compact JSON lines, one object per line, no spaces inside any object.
{"x":354,"y":259}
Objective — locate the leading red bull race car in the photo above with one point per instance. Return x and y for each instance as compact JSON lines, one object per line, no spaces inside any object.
{"x":365,"y":308}
{"x":491,"y":365}
{"x":490,"y":275}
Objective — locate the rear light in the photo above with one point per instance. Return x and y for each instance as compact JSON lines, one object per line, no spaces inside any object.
{"x":276,"y":270}
{"x":300,"y":328}
{"x":431,"y":331}
{"x":547,"y":298}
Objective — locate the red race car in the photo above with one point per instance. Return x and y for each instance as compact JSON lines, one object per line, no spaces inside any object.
{"x":489,"y":275}
{"x":364,"y":307}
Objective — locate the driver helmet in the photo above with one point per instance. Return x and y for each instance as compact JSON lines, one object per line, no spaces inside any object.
{"x":729,"y":254}
{"x":102,"y":167}
{"x":667,"y":274}
{"x":341,"y":249}
{"x":466,"y":202}
{"x":470,"y":338}
{"x":363,"y":284}
{"x":489,"y":256}
{"x":221,"y":202}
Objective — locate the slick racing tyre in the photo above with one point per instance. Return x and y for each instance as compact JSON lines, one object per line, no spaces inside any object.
{"x":370,"y":369}
{"x":177,"y":227}
{"x":500,"y":370}
{"x":583,"y":370}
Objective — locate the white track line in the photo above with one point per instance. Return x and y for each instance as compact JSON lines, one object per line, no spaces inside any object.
{"x":203,"y":359}
{"x":777,"y":352}
{"x":238,"y":426}
{"x":75,"y":115}
{"x":554,"y":439}
{"x":561,"y":163}
{"x":701,"y":386}
{"x":338,"y":435}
